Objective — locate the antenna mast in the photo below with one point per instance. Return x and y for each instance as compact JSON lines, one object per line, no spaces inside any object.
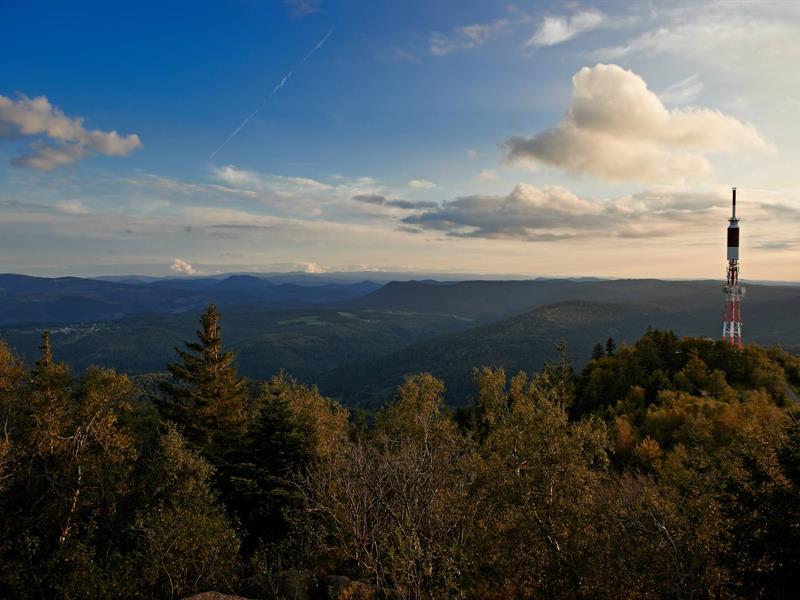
{"x":734,"y":291}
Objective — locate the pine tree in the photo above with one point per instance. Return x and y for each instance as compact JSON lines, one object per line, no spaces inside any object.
{"x":598,"y":352}
{"x":611,"y":346}
{"x":206,"y":395}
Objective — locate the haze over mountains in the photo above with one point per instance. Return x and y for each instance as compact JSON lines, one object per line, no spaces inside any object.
{"x":357,"y":339}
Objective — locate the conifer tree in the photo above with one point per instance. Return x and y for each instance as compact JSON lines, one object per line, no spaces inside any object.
{"x":47,"y":374}
{"x":206,"y":396}
{"x":557,"y":380}
{"x":46,"y":353}
{"x":51,"y":384}
{"x":277,"y":448}
{"x":611,"y":346}
{"x":598,"y":352}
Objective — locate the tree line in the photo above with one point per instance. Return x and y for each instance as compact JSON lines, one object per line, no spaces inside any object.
{"x":669,"y":468}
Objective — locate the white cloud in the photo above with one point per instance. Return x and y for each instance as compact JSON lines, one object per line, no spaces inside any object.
{"x":735,"y":36}
{"x":186,"y":188}
{"x":276,"y":194}
{"x":46,"y":158}
{"x":73,"y":207}
{"x":617,"y":129}
{"x":527,"y":212}
{"x":745,"y":49}
{"x":70,"y":140}
{"x":466,"y":37}
{"x":487,"y":175}
{"x":182,"y":267}
{"x":550,"y":213}
{"x":473,"y":154}
{"x":396,"y":203}
{"x":310,"y":267}
{"x":301,"y":8}
{"x":281,"y":184}
{"x":682,"y":92}
{"x":237,"y":177}
{"x":555,"y":30}
{"x":421,"y":184}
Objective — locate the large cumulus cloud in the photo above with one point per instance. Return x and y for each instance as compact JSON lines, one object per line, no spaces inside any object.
{"x":617,"y":129}
{"x":61,"y":140}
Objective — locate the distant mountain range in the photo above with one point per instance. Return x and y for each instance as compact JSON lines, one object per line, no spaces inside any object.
{"x":25,"y":299}
{"x":358,"y":340}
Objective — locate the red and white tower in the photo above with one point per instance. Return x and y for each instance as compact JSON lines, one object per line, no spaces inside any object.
{"x":734,"y":291}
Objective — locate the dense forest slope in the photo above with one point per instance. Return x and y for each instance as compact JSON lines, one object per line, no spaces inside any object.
{"x":666,"y":468}
{"x":523,"y":342}
{"x":306,"y":342}
{"x":526,"y":341}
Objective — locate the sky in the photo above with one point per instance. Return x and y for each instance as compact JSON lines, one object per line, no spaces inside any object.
{"x":438,"y":136}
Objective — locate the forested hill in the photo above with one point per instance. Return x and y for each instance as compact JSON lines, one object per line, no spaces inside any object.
{"x":359,"y":349}
{"x":525,"y":342}
{"x":492,"y":300}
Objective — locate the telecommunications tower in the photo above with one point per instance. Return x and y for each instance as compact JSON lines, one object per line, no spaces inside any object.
{"x":734,"y":291}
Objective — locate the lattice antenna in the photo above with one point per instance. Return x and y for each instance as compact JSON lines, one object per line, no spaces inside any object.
{"x":734,"y":291}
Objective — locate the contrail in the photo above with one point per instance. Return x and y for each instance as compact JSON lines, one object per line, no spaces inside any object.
{"x":318,"y":46}
{"x":275,"y":90}
{"x":282,"y":82}
{"x":235,"y":131}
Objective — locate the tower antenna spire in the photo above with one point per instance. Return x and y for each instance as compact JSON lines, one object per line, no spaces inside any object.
{"x":734,"y":291}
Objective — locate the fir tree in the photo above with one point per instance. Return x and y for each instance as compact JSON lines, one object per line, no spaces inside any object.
{"x":598,"y":352}
{"x":611,"y":346}
{"x":278,"y":447}
{"x":45,"y":354}
{"x":557,"y":380}
{"x":50,"y":382}
{"x":206,"y":396}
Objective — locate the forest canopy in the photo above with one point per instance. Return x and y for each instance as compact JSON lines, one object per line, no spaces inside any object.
{"x":667,"y":468}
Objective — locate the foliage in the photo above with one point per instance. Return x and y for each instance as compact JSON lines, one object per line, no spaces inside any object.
{"x":277,"y":447}
{"x":398,"y":509}
{"x":184,"y":542}
{"x":74,"y":487}
{"x":666,"y":468}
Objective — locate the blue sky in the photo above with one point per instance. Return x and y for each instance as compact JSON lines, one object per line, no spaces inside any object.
{"x":532,"y":138}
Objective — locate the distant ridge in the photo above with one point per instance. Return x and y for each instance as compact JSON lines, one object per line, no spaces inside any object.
{"x":26,"y":299}
{"x":489,"y":300}
{"x":357,"y":340}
